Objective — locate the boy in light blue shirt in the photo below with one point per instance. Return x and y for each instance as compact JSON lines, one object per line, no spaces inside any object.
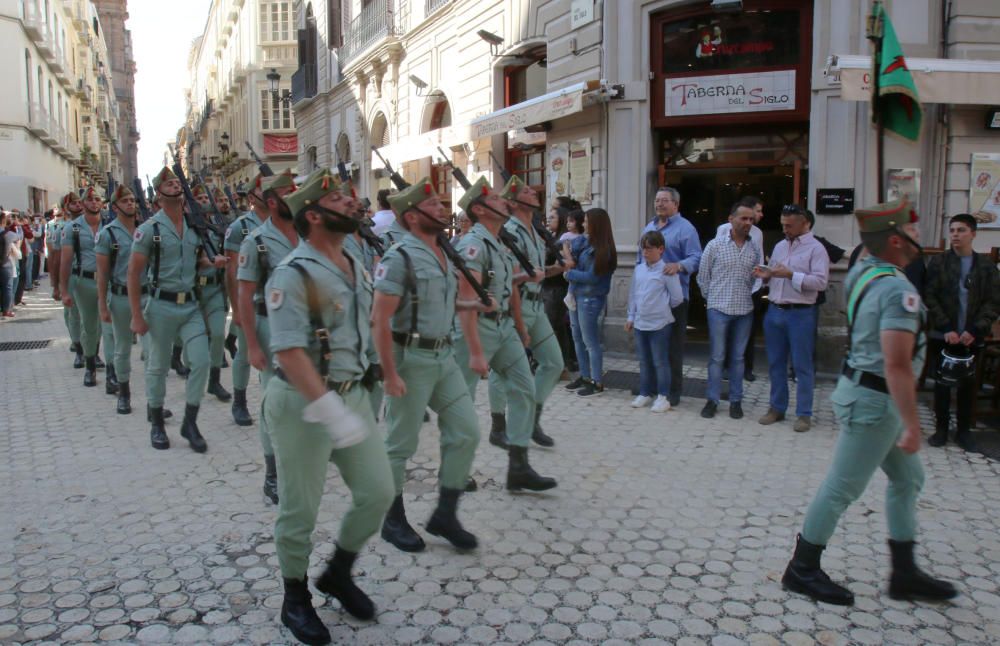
{"x":652,"y":297}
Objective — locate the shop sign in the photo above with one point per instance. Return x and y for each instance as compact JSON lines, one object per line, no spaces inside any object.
{"x":731,"y":41}
{"x":281,"y":144}
{"x":528,"y":113}
{"x":581,"y":13}
{"x":984,"y":190}
{"x":834,"y":201}
{"x":730,"y":93}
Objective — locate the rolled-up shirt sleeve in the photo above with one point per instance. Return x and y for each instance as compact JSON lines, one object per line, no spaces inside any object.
{"x":818,"y":274}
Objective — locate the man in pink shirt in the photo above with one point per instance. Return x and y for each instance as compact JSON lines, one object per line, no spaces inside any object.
{"x":799,"y":271}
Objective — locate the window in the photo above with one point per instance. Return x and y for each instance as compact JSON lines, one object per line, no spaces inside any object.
{"x":275,"y":21}
{"x":275,"y":115}
{"x":27,"y":79}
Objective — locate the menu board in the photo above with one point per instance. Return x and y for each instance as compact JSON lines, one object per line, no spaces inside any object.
{"x":984,"y":190}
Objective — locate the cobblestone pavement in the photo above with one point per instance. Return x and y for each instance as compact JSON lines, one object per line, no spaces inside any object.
{"x":664,"y":529}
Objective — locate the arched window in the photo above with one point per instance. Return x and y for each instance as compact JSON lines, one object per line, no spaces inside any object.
{"x":311,"y":164}
{"x":343,"y":148}
{"x":380,"y":131}
{"x":27,"y":80}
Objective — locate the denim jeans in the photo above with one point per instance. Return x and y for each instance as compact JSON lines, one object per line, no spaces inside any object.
{"x":727,"y":337}
{"x":586,"y":322}
{"x":653,"y":347}
{"x":791,"y":332}
{"x":29,"y":271}
{"x":6,"y":288}
{"x":677,"y":338}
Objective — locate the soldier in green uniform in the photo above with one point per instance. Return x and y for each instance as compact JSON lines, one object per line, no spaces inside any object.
{"x":368,"y":255}
{"x":261,"y":251}
{"x":499,"y":336}
{"x":114,"y":246}
{"x":317,"y":409}
{"x":70,"y":209}
{"x":235,"y":234}
{"x":876,"y":404}
{"x":545,"y":350}
{"x":77,"y":273}
{"x":173,"y":252}
{"x":415,"y":300}
{"x":211,"y":295}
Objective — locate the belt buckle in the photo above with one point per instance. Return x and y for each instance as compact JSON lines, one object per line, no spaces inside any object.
{"x":440,"y":342}
{"x":261,"y":248}
{"x":202,"y":280}
{"x":182,"y":298}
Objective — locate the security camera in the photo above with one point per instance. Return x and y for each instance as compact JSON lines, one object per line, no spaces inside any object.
{"x":490,"y":37}
{"x":417,"y":81}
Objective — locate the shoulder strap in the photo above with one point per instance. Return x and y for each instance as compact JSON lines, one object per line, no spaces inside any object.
{"x":156,"y":255}
{"x":865,"y":281}
{"x":262,"y":259}
{"x":410,"y":282}
{"x":489,"y":273}
{"x":113,"y":256}
{"x":315,"y":319}
{"x":244,"y":229}
{"x":76,"y":247}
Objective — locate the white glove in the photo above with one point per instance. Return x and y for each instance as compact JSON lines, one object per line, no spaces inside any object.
{"x":570,"y":301}
{"x":345,"y":427}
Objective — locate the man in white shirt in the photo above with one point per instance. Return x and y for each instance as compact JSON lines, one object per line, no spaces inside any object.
{"x":384,"y":217}
{"x":757,"y":238}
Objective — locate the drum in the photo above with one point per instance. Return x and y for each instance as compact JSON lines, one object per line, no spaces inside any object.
{"x":955,"y":368}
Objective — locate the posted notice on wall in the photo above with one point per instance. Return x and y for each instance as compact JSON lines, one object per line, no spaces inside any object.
{"x":558,"y":179}
{"x":580,"y":167}
{"x":903,"y":182}
{"x":730,"y":93}
{"x":984,"y":190}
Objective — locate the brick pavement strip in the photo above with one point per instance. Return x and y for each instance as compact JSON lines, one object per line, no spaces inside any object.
{"x":664,"y":529}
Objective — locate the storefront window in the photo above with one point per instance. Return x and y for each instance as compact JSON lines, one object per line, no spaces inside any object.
{"x":719,"y":41}
{"x":758,"y":149}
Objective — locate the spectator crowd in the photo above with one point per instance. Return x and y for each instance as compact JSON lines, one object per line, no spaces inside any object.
{"x":22,"y":256}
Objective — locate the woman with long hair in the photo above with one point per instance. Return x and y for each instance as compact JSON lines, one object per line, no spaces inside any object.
{"x":554,"y":290}
{"x":591,"y":262}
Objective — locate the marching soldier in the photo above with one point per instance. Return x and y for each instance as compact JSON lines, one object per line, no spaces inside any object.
{"x":173,"y":252}
{"x":211,"y":295}
{"x":70,"y":209}
{"x":545,"y":349}
{"x":415,"y":292}
{"x":359,"y":247}
{"x":317,"y":408}
{"x":77,"y":273}
{"x":260,"y":252}
{"x":499,"y":336}
{"x":876,"y":404}
{"x":114,"y":246}
{"x":235,"y":234}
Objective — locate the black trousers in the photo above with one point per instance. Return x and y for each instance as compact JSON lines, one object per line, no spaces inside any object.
{"x":22,"y":267}
{"x":677,"y":337}
{"x":965,"y":397}
{"x":558,"y":315}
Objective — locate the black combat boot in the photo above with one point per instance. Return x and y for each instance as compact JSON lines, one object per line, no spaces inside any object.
{"x":90,"y":374}
{"x":336,"y":582}
{"x":444,"y":522}
{"x":538,"y":436}
{"x":397,"y":530}
{"x":78,"y":360}
{"x":908,"y":582}
{"x":167,"y":414}
{"x":111,"y":381}
{"x":124,"y":398}
{"x":299,"y":616}
{"x":803,"y":575}
{"x":189,"y":429}
{"x":498,"y":431}
{"x":157,"y":432}
{"x":271,"y":479}
{"x":230,"y":343}
{"x":240,"y":413}
{"x":520,"y":475}
{"x":97,"y":359}
{"x":178,"y":365}
{"x":215,"y":386}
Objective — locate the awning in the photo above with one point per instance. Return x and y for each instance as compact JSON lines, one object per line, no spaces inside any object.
{"x":938,"y":80}
{"x":426,"y":144}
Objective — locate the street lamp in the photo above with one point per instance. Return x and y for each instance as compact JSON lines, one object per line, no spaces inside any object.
{"x":273,"y":79}
{"x":224,"y":146}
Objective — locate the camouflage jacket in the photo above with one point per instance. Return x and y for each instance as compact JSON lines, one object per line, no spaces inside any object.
{"x":941,"y":294}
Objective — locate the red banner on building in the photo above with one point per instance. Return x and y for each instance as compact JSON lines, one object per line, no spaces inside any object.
{"x":281,"y":144}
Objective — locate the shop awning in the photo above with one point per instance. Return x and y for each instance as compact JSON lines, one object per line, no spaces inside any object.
{"x":938,"y":80}
{"x":426,"y":144}
{"x":547,"y":107}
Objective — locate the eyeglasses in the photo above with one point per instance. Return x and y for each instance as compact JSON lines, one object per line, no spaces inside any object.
{"x":793,"y":209}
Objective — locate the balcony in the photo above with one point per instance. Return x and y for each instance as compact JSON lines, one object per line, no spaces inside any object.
{"x":45,"y":43}
{"x":34,"y":19}
{"x":279,"y":53}
{"x":38,"y":119}
{"x":377,"y":22}
{"x":304,"y":83}
{"x":430,"y":6}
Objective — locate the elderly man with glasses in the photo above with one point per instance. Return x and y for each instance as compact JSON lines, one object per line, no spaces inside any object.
{"x":798,"y":272}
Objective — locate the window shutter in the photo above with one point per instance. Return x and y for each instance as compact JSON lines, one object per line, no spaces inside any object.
{"x":335,"y":24}
{"x":303,"y":36}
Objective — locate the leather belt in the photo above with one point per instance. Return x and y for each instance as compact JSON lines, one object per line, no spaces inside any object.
{"x":424,"y":343}
{"x":793,"y":306}
{"x":122,"y":290}
{"x":204,"y":281}
{"x":84,"y":274}
{"x":261,"y":308}
{"x":867,"y":380}
{"x":531,"y":296}
{"x":339,"y":387}
{"x":496,"y":316}
{"x":174,"y":297}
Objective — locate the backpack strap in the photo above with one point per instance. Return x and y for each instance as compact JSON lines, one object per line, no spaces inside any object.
{"x":315,"y":319}
{"x":410,"y":283}
{"x":858,"y":292}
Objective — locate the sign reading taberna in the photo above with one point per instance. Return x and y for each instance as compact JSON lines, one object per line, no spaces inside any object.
{"x":730,"y":93}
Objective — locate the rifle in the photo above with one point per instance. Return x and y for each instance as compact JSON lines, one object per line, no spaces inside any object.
{"x":364,"y":229}
{"x":140,"y":199}
{"x":265,"y":170}
{"x":504,"y":173}
{"x":537,"y":221}
{"x":150,"y":193}
{"x":442,"y":240}
{"x":196,"y":217}
{"x":232,"y":200}
{"x":505,"y":236}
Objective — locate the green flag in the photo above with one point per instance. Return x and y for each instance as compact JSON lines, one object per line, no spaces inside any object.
{"x":897,"y":104}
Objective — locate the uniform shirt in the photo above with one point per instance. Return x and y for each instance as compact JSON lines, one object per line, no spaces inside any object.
{"x":87,"y":258}
{"x":809,"y":263}
{"x":725,"y":275}
{"x":239,"y":229}
{"x":436,"y":287}
{"x":529,"y":242}
{"x":217,"y":244}
{"x":483,"y":253}
{"x":361,"y":249}
{"x":344,"y":308}
{"x":891,"y":303}
{"x":652,"y":296}
{"x":250,"y":267}
{"x":178,"y":252}
{"x":681,"y":245}
{"x":393,"y":234}
{"x":116,"y":233}
{"x":54,"y":233}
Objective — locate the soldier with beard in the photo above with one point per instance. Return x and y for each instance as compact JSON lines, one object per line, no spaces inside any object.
{"x":70,"y":208}
{"x":211,"y":294}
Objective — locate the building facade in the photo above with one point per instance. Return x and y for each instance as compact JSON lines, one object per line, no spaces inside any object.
{"x":113,"y":14}
{"x":246,"y":47}
{"x":59,"y":125}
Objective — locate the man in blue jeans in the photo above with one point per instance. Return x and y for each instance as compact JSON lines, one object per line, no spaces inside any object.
{"x":798,"y":272}
{"x":726,"y":279}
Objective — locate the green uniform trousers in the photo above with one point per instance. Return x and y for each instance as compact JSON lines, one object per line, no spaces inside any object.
{"x":212,"y":303}
{"x":169,"y":322}
{"x":107,"y":342}
{"x":376,"y":397}
{"x":84,"y":293}
{"x":302,"y":451}
{"x":547,"y":353}
{"x":264,"y":338}
{"x":505,"y":355}
{"x":432,"y":379}
{"x":71,"y":315}
{"x":121,"y":319}
{"x":870,"y":426}
{"x":241,"y":362}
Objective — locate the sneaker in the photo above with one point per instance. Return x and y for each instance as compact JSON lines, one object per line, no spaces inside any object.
{"x":771,"y":417}
{"x":661,"y":405}
{"x":592,"y":388}
{"x":579,"y":382}
{"x":708,"y":412}
{"x":802,"y":424}
{"x":736,"y":410}
{"x":641,"y":401}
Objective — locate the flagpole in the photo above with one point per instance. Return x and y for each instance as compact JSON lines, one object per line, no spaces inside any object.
{"x":875,"y":34}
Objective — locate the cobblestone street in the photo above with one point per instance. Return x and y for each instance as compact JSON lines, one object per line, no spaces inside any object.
{"x":664,"y":528}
